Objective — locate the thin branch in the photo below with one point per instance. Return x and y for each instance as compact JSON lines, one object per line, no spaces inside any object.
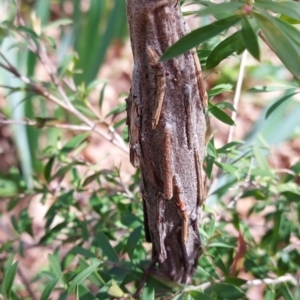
{"x":255,"y":282}
{"x":47,"y":124}
{"x":234,"y":113}
{"x":237,"y":95}
{"x":290,"y":248}
{"x":26,"y":283}
{"x":269,"y":281}
{"x":40,"y":50}
{"x":40,"y":90}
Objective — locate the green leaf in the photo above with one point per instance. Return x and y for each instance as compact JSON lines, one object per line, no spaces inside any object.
{"x":210,"y":149}
{"x":235,"y":281}
{"x":218,"y":89}
{"x":177,"y":297}
{"x":223,"y":105}
{"x":49,"y":288}
{"x":65,"y":64}
{"x":228,"y":291}
{"x":48,"y":168}
{"x":92,"y":177}
{"x":223,"y":50}
{"x":278,"y":103}
{"x":82,"y":107}
{"x":28,"y":31}
{"x":197,"y":295}
{"x":9,"y":261}
{"x":269,"y":295}
{"x":199,"y":36}
{"x":261,"y":158}
{"x":209,"y":165}
{"x":266,"y":89}
{"x":101,"y":96}
{"x":8,"y":280}
{"x":220,"y":115}
{"x":211,"y":228}
{"x":262,"y":173}
{"x":95,"y":278}
{"x":74,"y":142}
{"x":52,"y":233}
{"x":148,"y":293}
{"x":230,"y":169}
{"x":82,"y":276}
{"x":119,"y":109}
{"x":8,"y":188}
{"x":220,"y":8}
{"x":55,"y":264}
{"x":63,"y":171}
{"x":250,"y":38}
{"x":102,"y":241}
{"x":287,"y":8}
{"x":133,"y":240}
{"x":57,"y":23}
{"x":282,"y":41}
{"x":82,"y":251}
{"x":115,"y":291}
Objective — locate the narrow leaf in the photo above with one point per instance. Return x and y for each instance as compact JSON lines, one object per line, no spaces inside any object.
{"x":228,"y":291}
{"x":133,"y":240}
{"x":8,"y":280}
{"x":49,"y":288}
{"x":74,"y":142}
{"x":226,"y":167}
{"x":48,"y":168}
{"x":218,"y":89}
{"x":115,"y":291}
{"x":250,"y":38}
{"x":268,"y":89}
{"x":209,"y":165}
{"x":223,"y":105}
{"x":60,"y":22}
{"x":220,"y":115}
{"x":287,"y":8}
{"x":55,"y":265}
{"x":102,"y":241}
{"x":82,"y":276}
{"x":199,"y":36}
{"x":220,"y":8}
{"x":281,"y":42}
{"x":101,"y":96}
{"x":223,"y":50}
{"x":278,"y":103}
{"x":197,"y":295}
{"x":148,"y":293}
{"x":260,"y":158}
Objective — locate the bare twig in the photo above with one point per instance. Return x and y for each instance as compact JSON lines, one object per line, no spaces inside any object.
{"x":237,"y":94}
{"x":234,"y":113}
{"x":47,"y":124}
{"x":268,"y":281}
{"x":39,"y":48}
{"x":26,"y":283}
{"x":113,"y":137}
{"x":145,"y":276}
{"x":290,"y":248}
{"x":285,"y":278}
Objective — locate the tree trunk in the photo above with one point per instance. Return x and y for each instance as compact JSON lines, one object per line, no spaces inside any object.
{"x":166,"y":120}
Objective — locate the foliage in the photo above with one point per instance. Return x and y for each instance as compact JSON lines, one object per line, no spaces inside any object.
{"x":93,"y":226}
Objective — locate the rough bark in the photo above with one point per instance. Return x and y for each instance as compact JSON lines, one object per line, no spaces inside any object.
{"x":166,"y":120}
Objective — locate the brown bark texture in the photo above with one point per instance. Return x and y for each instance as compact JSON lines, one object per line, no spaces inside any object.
{"x":166,"y":119}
